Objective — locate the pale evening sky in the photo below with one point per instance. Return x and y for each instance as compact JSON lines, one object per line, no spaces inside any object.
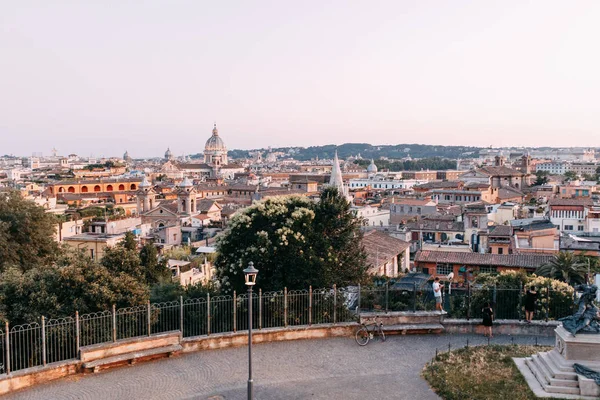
{"x":100,"y":77}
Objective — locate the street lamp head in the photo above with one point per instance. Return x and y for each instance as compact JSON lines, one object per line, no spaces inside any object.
{"x":250,"y":274}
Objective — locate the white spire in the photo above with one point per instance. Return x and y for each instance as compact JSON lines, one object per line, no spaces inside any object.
{"x":336,"y":179}
{"x":145,"y":182}
{"x":186,"y":182}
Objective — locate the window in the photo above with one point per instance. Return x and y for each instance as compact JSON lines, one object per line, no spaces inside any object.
{"x":500,"y":250}
{"x":488,"y":269}
{"x":443,"y":269}
{"x":580,"y":228}
{"x":568,"y":227}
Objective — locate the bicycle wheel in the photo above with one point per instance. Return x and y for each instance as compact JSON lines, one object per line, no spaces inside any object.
{"x":381,"y":334}
{"x":362,"y":336}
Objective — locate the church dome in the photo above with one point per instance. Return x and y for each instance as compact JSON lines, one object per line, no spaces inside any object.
{"x":168,"y":154}
{"x":215,"y":143}
{"x":372,"y":168}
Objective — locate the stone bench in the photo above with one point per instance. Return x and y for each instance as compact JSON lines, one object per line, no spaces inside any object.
{"x":404,"y":329}
{"x":105,"y":355}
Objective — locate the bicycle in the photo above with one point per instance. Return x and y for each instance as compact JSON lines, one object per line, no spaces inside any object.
{"x":367,"y":332}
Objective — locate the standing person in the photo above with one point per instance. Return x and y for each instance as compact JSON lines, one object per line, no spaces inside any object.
{"x":437,"y":293}
{"x":488,"y":319}
{"x":530,"y":299}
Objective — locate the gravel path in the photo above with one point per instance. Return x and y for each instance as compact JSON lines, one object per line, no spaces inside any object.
{"x":307,"y":369}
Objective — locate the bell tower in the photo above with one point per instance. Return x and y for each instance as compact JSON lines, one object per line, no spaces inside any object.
{"x":186,"y":198}
{"x":146,"y":197}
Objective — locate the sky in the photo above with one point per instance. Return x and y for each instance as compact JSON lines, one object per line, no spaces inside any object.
{"x":101,"y":77}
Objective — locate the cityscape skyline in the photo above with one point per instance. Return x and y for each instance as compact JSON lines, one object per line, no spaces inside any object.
{"x":280,"y":75}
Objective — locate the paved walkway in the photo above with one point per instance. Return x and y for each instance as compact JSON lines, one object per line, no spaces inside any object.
{"x":307,"y":369}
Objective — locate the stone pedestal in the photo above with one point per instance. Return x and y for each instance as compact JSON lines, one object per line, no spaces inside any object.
{"x":583,"y":347}
{"x":551,"y":374}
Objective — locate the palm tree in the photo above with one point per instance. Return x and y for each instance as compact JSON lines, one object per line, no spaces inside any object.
{"x":565,"y":267}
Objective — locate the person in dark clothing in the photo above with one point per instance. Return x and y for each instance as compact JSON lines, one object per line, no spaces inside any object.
{"x":530,"y":299}
{"x":488,"y":319}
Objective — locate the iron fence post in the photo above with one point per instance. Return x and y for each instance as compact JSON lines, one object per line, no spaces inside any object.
{"x":414,"y":297}
{"x":358,"y":307}
{"x":234,"y":311}
{"x":181,"y":315}
{"x":149,"y":318}
{"x":77,"y":334}
{"x":387,"y":293}
{"x":6,"y":327}
{"x":309,"y":305}
{"x":547,"y":302}
{"x":207,"y":313}
{"x":259,"y":308}
{"x":285,"y":307}
{"x":468,"y":301}
{"x":334,"y":303}
{"x":114,"y":323}
{"x":520,"y":301}
{"x":43,"y":341}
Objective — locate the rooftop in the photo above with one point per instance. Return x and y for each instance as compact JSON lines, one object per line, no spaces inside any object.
{"x":531,"y":260}
{"x":381,"y":247}
{"x":94,"y":237}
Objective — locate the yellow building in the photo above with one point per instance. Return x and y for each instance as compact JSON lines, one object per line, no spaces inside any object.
{"x":94,"y":244}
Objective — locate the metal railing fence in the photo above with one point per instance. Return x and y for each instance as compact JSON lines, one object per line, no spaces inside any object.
{"x":57,"y":340}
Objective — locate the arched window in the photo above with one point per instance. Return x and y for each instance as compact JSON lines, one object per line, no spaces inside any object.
{"x":71,"y":189}
{"x":121,"y":187}
{"x":132,"y":186}
{"x":97,"y":188}
{"x":109,"y":188}
{"x":61,"y":189}
{"x":84,"y":189}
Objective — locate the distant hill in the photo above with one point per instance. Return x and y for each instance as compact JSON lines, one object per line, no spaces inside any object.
{"x":369,"y":151}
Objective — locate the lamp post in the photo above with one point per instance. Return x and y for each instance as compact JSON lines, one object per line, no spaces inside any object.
{"x":250,"y":276}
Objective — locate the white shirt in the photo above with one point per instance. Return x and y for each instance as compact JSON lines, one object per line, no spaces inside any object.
{"x":437,"y":292}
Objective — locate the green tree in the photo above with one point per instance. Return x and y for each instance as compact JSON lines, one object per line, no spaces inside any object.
{"x":565,"y":267}
{"x":570,"y":176}
{"x":541,"y":178}
{"x":155,"y":270}
{"x":294,"y":243}
{"x":26,"y":233}
{"x":129,"y":241}
{"x":337,"y":235}
{"x":119,"y":259}
{"x":55,"y":291}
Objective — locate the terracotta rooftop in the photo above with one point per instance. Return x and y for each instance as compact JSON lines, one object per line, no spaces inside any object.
{"x":439,"y":185}
{"x":381,"y":247}
{"x":530,"y":260}
{"x":501,"y":230}
{"x":571,"y":202}
{"x":501,"y":171}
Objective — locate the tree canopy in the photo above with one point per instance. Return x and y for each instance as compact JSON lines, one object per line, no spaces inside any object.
{"x":58,"y":291}
{"x":565,"y":267}
{"x":294,"y":243}
{"x":26,"y":233}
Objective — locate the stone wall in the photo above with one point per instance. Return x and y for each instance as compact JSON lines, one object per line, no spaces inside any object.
{"x":501,"y":327}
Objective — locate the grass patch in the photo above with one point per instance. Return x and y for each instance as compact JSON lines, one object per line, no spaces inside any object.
{"x":481,"y":372}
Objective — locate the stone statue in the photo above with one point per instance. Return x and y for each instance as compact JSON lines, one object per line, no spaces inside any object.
{"x":587,"y":317}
